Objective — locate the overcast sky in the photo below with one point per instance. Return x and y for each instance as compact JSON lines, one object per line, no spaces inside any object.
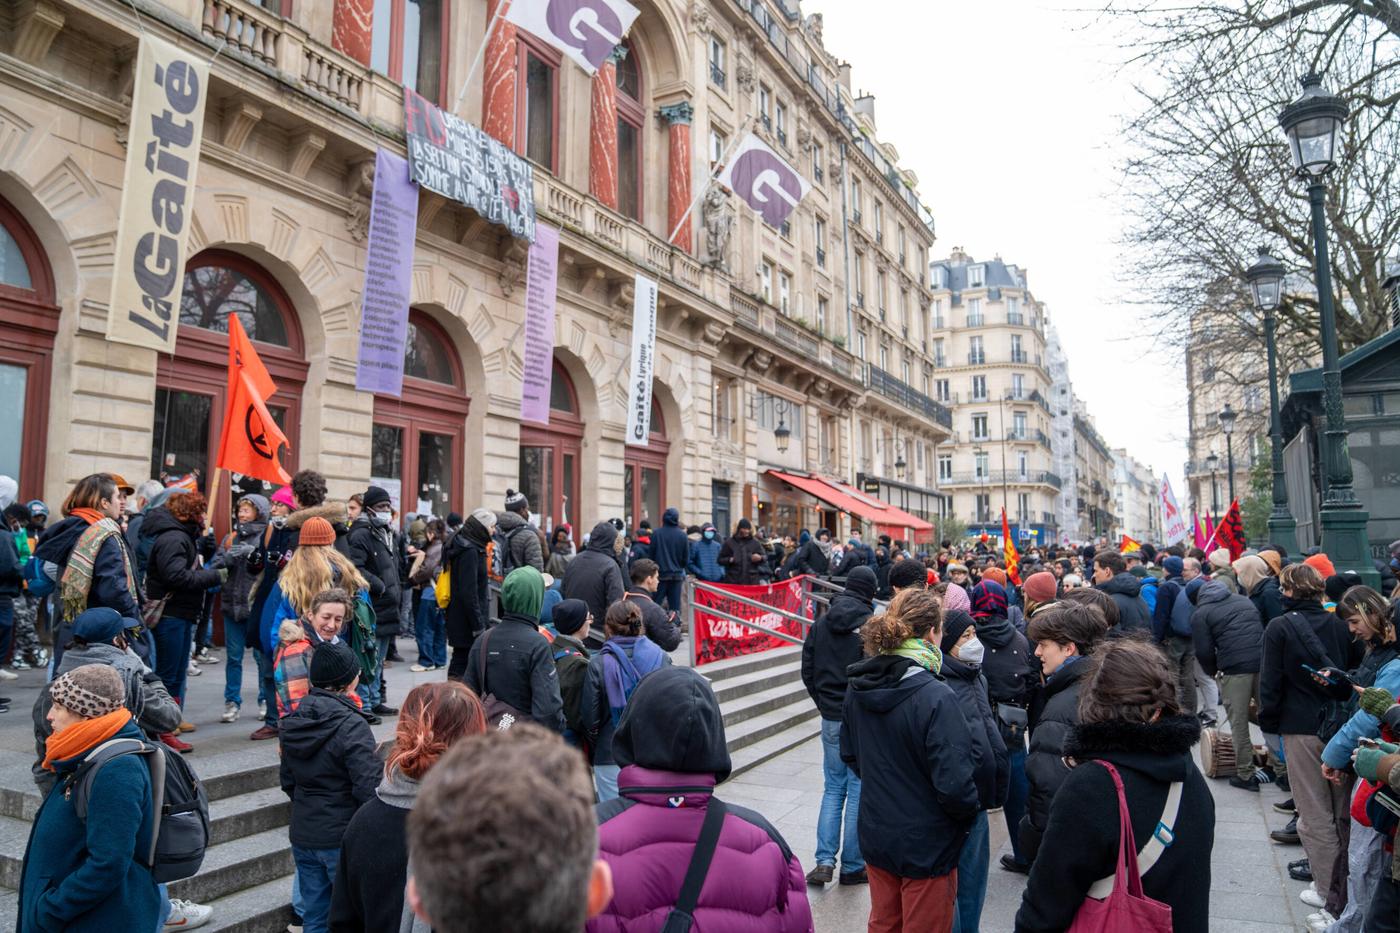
{"x":1010,"y":113}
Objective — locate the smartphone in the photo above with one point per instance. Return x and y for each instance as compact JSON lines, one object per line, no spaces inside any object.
{"x":1333,"y":676}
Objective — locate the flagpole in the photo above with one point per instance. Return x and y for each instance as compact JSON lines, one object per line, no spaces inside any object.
{"x":213,"y":495}
{"x":480,"y":53}
{"x":719,"y":170}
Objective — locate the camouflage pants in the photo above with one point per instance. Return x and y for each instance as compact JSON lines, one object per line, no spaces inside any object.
{"x":26,"y":640}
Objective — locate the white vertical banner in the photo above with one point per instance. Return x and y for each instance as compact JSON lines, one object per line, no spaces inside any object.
{"x":1173,"y":524}
{"x":162,"y":153}
{"x":643,"y":361}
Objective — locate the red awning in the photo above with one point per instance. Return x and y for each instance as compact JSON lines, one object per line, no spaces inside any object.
{"x":892,"y":519}
{"x":857,"y":504}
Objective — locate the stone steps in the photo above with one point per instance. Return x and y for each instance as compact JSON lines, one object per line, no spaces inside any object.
{"x":766,"y":708}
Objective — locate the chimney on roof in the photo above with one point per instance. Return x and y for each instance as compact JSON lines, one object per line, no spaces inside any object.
{"x":957,"y":256}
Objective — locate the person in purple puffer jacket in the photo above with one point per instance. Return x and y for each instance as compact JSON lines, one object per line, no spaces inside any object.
{"x":670,"y":743}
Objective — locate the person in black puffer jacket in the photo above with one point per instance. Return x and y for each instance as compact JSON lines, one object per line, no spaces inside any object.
{"x":832,"y":646}
{"x":1063,"y":635}
{"x":962,"y":670}
{"x":814,"y":557}
{"x":1129,"y":718}
{"x":594,"y":576}
{"x":671,"y":550}
{"x":1111,"y":576}
{"x":380,"y":558}
{"x":173,"y":571}
{"x":660,"y":626}
{"x":518,"y":667}
{"x":1229,"y":642}
{"x":742,"y":556}
{"x":468,"y":612}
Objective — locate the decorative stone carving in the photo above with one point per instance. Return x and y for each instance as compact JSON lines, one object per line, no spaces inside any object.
{"x":36,"y":31}
{"x":805,"y":138}
{"x":744,"y":76}
{"x":361,"y":189}
{"x":718,"y":215}
{"x":814,"y":28}
{"x":713,"y":335}
{"x":304,"y":147}
{"x":512,"y":253}
{"x":239,"y":120}
{"x":700,"y":17}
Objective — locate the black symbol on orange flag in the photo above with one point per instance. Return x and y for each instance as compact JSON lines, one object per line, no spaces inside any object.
{"x":256,"y":433}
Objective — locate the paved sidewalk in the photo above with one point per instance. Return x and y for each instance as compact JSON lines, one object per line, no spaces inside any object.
{"x":1250,"y":888}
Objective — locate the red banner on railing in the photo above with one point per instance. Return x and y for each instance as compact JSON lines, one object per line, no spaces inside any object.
{"x":717,"y":638}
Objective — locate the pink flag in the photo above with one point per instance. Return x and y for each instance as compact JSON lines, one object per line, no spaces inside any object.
{"x":1200,"y":536}
{"x":1210,"y":531}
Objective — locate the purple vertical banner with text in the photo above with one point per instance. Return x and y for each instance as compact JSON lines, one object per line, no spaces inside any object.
{"x":541,"y":283}
{"x":393,"y":231}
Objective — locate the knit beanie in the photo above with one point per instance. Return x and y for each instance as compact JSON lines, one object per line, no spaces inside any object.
{"x":955,"y":622}
{"x":316,"y":532}
{"x":1173,"y":566}
{"x":283,"y":496}
{"x":333,"y":666}
{"x":1319,"y":562}
{"x":1040,"y":587}
{"x":522,"y":592}
{"x":988,"y":600}
{"x":569,"y":616}
{"x":956,"y":598}
{"x":89,"y":691}
{"x":995,"y":574}
{"x":1219,"y":559}
{"x":1336,"y":586}
{"x":376,"y":495}
{"x":486,"y":517}
{"x":515,"y":501}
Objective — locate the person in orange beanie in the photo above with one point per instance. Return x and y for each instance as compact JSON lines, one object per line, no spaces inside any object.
{"x":1322,"y":564}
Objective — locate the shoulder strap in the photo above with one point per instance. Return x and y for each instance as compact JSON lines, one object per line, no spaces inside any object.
{"x":1162,"y":837}
{"x":481,"y":660}
{"x":1309,"y":638}
{"x":116,"y":748}
{"x":681,"y":917}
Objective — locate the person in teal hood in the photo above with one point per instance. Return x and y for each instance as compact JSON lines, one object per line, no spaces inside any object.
{"x":85,"y":875}
{"x":518,"y":665}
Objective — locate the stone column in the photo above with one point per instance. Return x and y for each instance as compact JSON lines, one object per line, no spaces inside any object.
{"x":352,"y":28}
{"x":499,"y":79}
{"x":678,"y":117}
{"x":602,"y":135}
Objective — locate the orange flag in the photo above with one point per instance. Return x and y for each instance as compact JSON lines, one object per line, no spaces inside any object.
{"x":1013,"y":559}
{"x":1128,"y":544}
{"x":250,"y":438}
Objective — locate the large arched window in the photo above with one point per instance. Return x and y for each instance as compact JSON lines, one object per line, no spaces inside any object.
{"x":417,"y":447}
{"x":644,"y":474}
{"x":191,"y":383}
{"x":28,"y":322}
{"x":550,"y":457}
{"x":631,"y":118}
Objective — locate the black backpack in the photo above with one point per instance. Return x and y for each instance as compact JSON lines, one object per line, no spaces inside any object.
{"x":180,"y":804}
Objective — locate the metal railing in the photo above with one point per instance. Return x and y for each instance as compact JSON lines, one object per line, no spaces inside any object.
{"x":809,"y":600}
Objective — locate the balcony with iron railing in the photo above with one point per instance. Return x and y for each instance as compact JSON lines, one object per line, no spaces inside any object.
{"x":976,"y":359}
{"x":717,"y":76}
{"x":1008,"y":477}
{"x":1019,"y":356}
{"x":1029,"y":435}
{"x":907,"y":396}
{"x":1016,"y":319}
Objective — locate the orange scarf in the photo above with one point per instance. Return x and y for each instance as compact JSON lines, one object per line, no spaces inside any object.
{"x":83,"y":736}
{"x":91,"y":516}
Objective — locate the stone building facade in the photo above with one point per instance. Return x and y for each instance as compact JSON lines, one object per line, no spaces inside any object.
{"x":754,"y":369}
{"x":1135,"y":500}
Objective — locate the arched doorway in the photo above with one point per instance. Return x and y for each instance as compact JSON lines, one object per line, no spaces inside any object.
{"x":191,"y":384}
{"x":550,"y":458}
{"x":28,"y":323}
{"x":416,"y":453}
{"x":644,"y":475}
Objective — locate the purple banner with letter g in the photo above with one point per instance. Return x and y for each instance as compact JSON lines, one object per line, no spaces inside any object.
{"x":541,"y":282}
{"x":393,"y":231}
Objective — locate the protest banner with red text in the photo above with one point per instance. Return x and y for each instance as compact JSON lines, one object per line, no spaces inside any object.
{"x":717,"y":638}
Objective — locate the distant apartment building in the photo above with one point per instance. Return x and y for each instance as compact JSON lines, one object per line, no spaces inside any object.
{"x":1135,"y":497}
{"x":1093,"y":468}
{"x":1062,"y":436}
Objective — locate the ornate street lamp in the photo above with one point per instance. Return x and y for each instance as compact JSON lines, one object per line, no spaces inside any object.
{"x":1312,"y":123}
{"x":782,"y":434}
{"x":1227,"y":418}
{"x":1265,"y":280}
{"x":1212,"y":463}
{"x":899,"y":464}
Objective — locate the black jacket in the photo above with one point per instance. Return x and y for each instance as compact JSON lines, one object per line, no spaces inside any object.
{"x":1081,"y":840}
{"x":833,"y":645}
{"x":736,"y":557}
{"x":809,"y":559}
{"x":594,"y":575}
{"x":469,"y":592}
{"x":1226,"y":631}
{"x":988,"y":748}
{"x":172,"y":568}
{"x":1132,"y":610}
{"x":1054,"y":712}
{"x":1268,"y":599}
{"x":905,"y":736}
{"x":670,"y":547}
{"x":109,"y":589}
{"x":519,"y":670}
{"x":11,"y":574}
{"x":328,"y":766}
{"x":1010,"y":667}
{"x":657,"y":621}
{"x":367,"y":896}
{"x":1289,"y":699}
{"x":378,"y":555}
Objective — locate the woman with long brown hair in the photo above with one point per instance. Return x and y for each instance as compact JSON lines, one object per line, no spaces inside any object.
{"x":373,"y":867}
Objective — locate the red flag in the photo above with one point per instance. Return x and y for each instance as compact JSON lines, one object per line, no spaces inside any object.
{"x":1128,"y":544}
{"x":1230,"y":531}
{"x":1008,"y":549}
{"x":252,"y":438}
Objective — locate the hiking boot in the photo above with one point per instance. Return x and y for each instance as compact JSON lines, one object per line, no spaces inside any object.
{"x":264,"y":732}
{"x":821,"y":874}
{"x":1009,"y":863}
{"x":172,"y":740}
{"x":1288,"y":835}
{"x":1286,"y":807}
{"x":854,"y":877}
{"x":186,"y":915}
{"x":1250,"y":783}
{"x":230,"y":712}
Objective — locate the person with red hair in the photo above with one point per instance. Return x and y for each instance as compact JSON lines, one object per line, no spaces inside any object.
{"x":373,"y":867}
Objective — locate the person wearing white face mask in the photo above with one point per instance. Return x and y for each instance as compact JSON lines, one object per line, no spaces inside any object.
{"x":962,"y":669}
{"x":379,"y":555}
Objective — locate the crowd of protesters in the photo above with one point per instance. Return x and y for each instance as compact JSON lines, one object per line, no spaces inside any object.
{"x":1069,"y":692}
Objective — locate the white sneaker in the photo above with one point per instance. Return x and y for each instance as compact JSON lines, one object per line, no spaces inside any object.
{"x":230,"y":712}
{"x":194,"y":670}
{"x":423,"y":668}
{"x":262,"y":709}
{"x":1320,"y":921}
{"x":1310,"y":897}
{"x":8,"y":674}
{"x":186,"y":915}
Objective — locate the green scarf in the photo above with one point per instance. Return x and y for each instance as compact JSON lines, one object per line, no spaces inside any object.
{"x":77,"y":576}
{"x":921,"y":653}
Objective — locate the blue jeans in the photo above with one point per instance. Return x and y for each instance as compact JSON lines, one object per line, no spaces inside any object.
{"x":1015,"y":807}
{"x":173,"y":654}
{"x":7,"y":625}
{"x":369,"y":686}
{"x":164,"y":908}
{"x":670,"y":593}
{"x":315,"y":874}
{"x":430,"y":629}
{"x":972,"y":877}
{"x":840,"y":786}
{"x":235,"y":645}
{"x":605,"y":781}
